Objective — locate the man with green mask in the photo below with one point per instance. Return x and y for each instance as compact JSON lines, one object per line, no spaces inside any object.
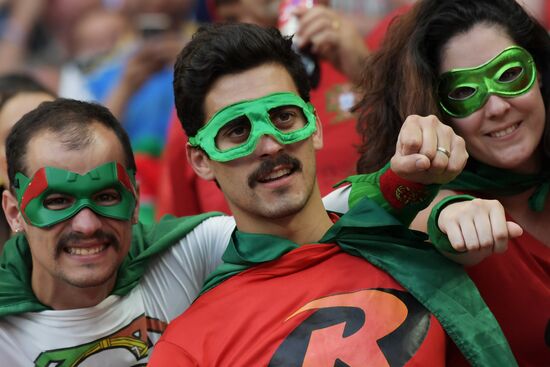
{"x":80,"y":284}
{"x":300,"y":286}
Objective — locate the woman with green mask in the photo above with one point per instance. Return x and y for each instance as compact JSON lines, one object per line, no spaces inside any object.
{"x":483,"y":68}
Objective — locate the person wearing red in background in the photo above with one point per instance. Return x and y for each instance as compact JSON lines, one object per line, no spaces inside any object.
{"x":341,"y":49}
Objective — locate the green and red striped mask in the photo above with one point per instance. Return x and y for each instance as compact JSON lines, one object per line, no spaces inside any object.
{"x":54,"y":195}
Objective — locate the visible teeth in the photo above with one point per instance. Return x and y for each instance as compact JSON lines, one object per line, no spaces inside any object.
{"x":501,"y":133}
{"x":85,"y":251}
{"x":277,"y":174}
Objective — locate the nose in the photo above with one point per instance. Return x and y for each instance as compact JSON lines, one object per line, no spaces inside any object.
{"x":268,"y":145}
{"x":496,"y":106}
{"x":86,"y":222}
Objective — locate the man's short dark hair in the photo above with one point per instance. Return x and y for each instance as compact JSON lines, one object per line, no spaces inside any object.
{"x":14,"y":83}
{"x":68,"y":119}
{"x":221,"y":49}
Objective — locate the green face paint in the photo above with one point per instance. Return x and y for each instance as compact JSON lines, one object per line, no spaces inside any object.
{"x":54,"y":195}
{"x":234,"y":131}
{"x":464,"y":91}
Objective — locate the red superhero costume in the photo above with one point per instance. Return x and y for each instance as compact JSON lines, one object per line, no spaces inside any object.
{"x":359,"y":297}
{"x":319,"y":305}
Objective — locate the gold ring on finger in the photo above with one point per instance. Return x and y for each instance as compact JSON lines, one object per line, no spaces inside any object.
{"x":444,"y":151}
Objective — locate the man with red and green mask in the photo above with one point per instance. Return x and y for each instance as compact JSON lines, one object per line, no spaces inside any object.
{"x":299,"y":285}
{"x":82,"y":283}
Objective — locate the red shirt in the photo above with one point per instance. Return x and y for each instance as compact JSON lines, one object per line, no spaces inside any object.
{"x":516,"y":287}
{"x":311,"y":307}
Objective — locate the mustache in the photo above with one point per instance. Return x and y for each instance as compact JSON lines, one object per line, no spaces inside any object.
{"x":269,"y":164}
{"x":74,"y":237}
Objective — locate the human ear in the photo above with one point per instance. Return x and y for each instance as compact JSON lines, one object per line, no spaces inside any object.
{"x":11,"y":211}
{"x":200,"y":162}
{"x":318,"y":135}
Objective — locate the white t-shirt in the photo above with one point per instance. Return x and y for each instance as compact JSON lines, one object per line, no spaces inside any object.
{"x":120,"y":331}
{"x":338,"y":200}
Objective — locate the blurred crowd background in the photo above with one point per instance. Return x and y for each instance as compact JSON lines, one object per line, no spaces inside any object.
{"x":120,"y":53}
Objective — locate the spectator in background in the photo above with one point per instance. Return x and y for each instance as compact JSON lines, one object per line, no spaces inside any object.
{"x":18,"y":21}
{"x":61,"y":16}
{"x":19,"y":94}
{"x":26,"y":44}
{"x":367,"y":14}
{"x":99,"y":37}
{"x":35,"y":36}
{"x":341,"y":49}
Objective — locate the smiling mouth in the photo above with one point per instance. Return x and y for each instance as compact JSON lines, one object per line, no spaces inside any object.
{"x":504,"y":132}
{"x":274,"y":169}
{"x":85,"y":251}
{"x":276,"y":174}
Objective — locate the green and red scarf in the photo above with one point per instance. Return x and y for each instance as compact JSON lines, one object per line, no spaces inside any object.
{"x":482,"y":178}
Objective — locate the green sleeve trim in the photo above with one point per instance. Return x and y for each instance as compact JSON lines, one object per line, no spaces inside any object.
{"x":437,"y":237}
{"x":368,"y":185}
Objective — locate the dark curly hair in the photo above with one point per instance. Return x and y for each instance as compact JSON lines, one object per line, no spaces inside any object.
{"x":401,"y":78}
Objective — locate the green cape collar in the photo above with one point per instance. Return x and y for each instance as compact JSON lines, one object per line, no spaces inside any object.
{"x":440,"y":285}
{"x":16,"y":295}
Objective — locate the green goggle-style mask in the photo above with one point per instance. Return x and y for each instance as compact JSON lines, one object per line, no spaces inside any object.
{"x":234,"y":131}
{"x":464,"y":91}
{"x":54,"y":195}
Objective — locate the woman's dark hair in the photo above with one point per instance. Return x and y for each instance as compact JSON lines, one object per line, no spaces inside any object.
{"x":222,"y":49}
{"x":401,"y":78}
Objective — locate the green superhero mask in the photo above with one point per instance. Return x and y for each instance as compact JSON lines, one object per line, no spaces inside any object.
{"x":54,"y":195}
{"x":464,"y":91}
{"x":234,"y":131}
